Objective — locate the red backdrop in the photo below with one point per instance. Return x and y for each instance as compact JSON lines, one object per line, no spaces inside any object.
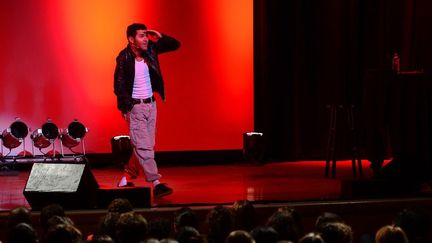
{"x":57,"y":60}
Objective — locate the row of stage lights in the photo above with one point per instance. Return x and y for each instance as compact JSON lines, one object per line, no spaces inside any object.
{"x":43,"y":137}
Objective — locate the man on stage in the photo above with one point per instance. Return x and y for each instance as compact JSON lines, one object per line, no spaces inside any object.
{"x":137,"y":76}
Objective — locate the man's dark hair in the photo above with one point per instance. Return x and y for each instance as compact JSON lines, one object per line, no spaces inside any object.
{"x":244,"y":215}
{"x":22,"y":233}
{"x":187,"y":234}
{"x":131,"y":228}
{"x":108,"y":225}
{"x":120,"y":205}
{"x":286,"y":221}
{"x":312,"y":238}
{"x":49,"y":211}
{"x":159,"y":228}
{"x":265,"y":234}
{"x":102,"y":239}
{"x":64,"y":233}
{"x":325,"y":218}
{"x":220,"y":223}
{"x":239,"y":236}
{"x":132,"y":29}
{"x":185,"y":217}
{"x":337,"y":232}
{"x":19,"y":215}
{"x":415,"y":222}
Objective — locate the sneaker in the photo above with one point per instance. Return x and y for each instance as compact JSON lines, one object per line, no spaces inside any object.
{"x":161,"y":190}
{"x":123,"y":182}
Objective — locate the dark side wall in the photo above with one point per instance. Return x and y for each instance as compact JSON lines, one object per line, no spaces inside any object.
{"x":310,"y":54}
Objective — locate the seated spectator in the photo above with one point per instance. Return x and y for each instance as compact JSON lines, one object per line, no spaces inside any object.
{"x":286,"y":224}
{"x":120,"y":205}
{"x":336,"y":233}
{"x":131,"y":228}
{"x":415,"y":223}
{"x":22,"y":233}
{"x":152,"y":240}
{"x":239,"y":236}
{"x":391,"y":234}
{"x":325,"y":218}
{"x":312,"y":238}
{"x":159,"y":228}
{"x":187,"y":234}
{"x":55,"y":220}
{"x":220,"y":224}
{"x":108,"y":222}
{"x":47,"y":212}
{"x":168,"y":241}
{"x":265,"y":235}
{"x":185,"y":217}
{"x":64,"y":233}
{"x":243,"y":215}
{"x":102,"y":239}
{"x":19,"y":215}
{"x":108,"y":226}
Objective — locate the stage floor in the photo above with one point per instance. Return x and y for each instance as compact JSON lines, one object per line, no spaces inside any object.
{"x":220,"y":184}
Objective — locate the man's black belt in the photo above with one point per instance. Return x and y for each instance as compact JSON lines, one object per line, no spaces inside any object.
{"x":145,"y":101}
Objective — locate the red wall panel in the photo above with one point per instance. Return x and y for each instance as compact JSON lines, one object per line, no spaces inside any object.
{"x":57,"y":60}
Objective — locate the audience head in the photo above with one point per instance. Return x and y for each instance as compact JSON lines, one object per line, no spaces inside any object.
{"x":49,"y":211}
{"x":391,"y":234}
{"x":120,"y":205}
{"x":239,"y":236}
{"x":102,"y":239}
{"x":243,"y":215}
{"x":312,"y":238}
{"x":325,"y":218}
{"x":55,"y":220}
{"x":336,"y":233}
{"x":108,"y":225}
{"x":22,"y":233}
{"x":415,"y":223}
{"x":265,"y":235}
{"x":64,"y":233}
{"x":19,"y":215}
{"x":185,"y":217}
{"x":159,"y":228}
{"x":131,"y":228}
{"x":220,"y":223}
{"x":168,"y":241}
{"x":187,"y":234}
{"x":286,"y":224}
{"x":152,"y":240}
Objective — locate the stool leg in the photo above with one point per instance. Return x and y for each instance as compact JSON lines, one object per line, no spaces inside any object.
{"x":360,"y":168}
{"x":354,"y":167}
{"x":334,"y":143}
{"x":354,"y":149}
{"x":350,"y":121}
{"x":331,"y":139}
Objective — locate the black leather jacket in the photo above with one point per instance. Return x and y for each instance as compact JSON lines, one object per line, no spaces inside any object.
{"x":125,"y":71}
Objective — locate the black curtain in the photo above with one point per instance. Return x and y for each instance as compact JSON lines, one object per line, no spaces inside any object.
{"x":313,"y":53}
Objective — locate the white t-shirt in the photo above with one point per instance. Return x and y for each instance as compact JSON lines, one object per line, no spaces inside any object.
{"x":142,"y":87}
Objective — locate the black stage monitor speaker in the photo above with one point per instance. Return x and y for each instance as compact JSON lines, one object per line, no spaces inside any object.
{"x":253,"y":146}
{"x":71,"y":185}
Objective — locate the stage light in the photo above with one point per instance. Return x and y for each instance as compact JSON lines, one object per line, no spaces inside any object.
{"x":13,"y":136}
{"x":73,"y":134}
{"x":45,"y":136}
